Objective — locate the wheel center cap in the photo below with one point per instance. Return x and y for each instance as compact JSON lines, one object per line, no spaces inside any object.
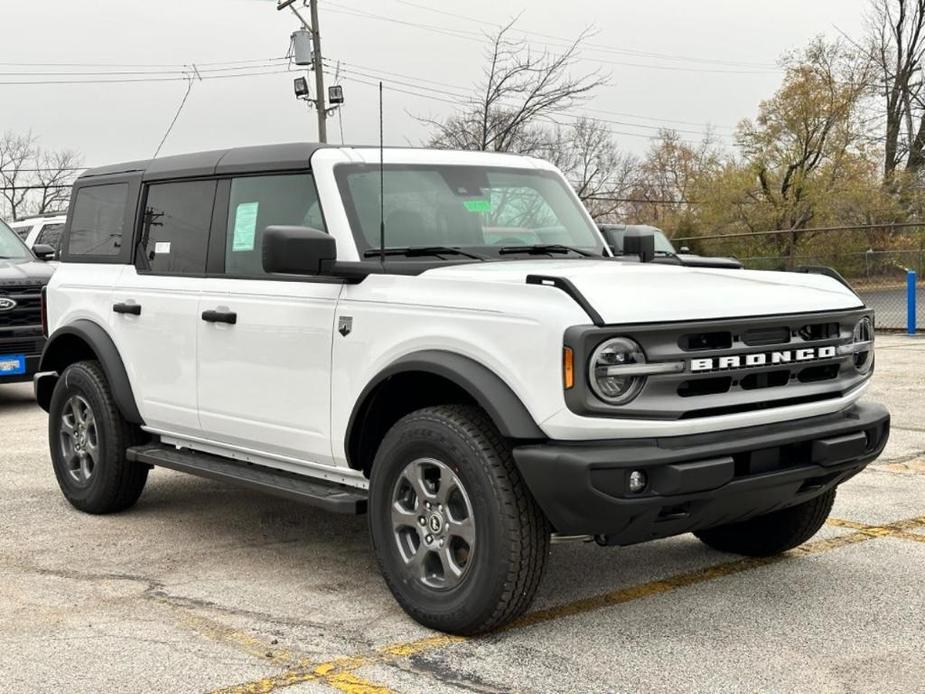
{"x":435,"y":523}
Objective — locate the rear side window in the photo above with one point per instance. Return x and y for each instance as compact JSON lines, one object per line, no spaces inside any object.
{"x":175,"y":228}
{"x":99,"y":219}
{"x":50,"y":235}
{"x":258,"y":202}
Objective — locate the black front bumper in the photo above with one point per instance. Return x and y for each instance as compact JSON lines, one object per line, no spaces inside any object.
{"x":701,"y":480}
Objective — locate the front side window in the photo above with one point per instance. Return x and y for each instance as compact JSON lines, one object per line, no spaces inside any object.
{"x":258,"y":202}
{"x":11,"y":246}
{"x":175,"y":228}
{"x":50,"y":235}
{"x":464,"y":207}
{"x":98,"y":222}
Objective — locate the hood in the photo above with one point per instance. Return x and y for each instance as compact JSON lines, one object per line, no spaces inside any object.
{"x":626,"y":292}
{"x":24,"y":271}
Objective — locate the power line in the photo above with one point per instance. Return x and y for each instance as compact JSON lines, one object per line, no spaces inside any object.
{"x":40,"y":169}
{"x":141,"y":80}
{"x":377,"y":73}
{"x":601,"y":47}
{"x":455,"y":102}
{"x":143,"y":65}
{"x":480,"y":38}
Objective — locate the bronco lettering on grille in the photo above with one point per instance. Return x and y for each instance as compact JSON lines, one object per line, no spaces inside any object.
{"x":740,"y":361}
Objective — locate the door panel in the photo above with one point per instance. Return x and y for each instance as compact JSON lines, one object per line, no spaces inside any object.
{"x":159,"y":346}
{"x":264,"y":381}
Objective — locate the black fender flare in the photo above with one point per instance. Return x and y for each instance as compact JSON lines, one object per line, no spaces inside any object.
{"x":484,"y":386}
{"x":55,"y":358}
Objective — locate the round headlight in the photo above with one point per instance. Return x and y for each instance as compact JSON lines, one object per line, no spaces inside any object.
{"x":863,"y":339}
{"x":607,"y":382}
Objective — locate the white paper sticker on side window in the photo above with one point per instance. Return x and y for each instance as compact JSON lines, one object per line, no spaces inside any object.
{"x":245,"y":226}
{"x":162,"y":247}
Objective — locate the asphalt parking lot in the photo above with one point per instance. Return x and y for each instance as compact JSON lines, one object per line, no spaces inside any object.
{"x":203,"y":587}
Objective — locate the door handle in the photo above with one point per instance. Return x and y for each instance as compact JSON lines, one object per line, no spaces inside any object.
{"x":131,"y":309}
{"x":229,"y":317}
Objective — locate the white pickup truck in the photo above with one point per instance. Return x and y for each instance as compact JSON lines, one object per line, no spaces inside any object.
{"x":443,"y":341}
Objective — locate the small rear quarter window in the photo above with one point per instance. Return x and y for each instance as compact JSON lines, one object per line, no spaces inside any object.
{"x":98,"y":223}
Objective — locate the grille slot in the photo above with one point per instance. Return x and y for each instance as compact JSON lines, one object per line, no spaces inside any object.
{"x":818,"y":331}
{"x":702,"y":341}
{"x":814,"y":374}
{"x":767,"y":379}
{"x":704,"y":386}
{"x":759,"y":337}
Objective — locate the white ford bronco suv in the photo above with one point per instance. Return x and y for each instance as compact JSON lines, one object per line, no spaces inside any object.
{"x":443,"y":341}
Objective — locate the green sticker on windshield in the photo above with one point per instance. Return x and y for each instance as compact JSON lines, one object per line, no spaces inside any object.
{"x":477,"y":205}
{"x":245,"y":226}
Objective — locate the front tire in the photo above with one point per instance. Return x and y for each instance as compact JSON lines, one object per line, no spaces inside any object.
{"x":459,"y":539}
{"x":87,"y":438}
{"x":772,"y":533}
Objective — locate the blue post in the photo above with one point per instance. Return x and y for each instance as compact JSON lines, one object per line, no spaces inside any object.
{"x":910,"y":301}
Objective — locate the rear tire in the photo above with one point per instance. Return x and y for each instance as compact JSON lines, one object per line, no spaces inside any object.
{"x":87,"y":438}
{"x":772,"y":533}
{"x":459,"y":539}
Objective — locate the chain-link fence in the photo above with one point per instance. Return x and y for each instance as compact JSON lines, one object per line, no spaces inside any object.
{"x":875,"y":260}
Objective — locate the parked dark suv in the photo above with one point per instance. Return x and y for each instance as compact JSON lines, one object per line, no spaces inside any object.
{"x":22,"y":277}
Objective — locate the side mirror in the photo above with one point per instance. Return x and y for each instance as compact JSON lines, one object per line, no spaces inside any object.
{"x":639,"y":243}
{"x":685,"y":249}
{"x":45,"y":252}
{"x":298,"y":251}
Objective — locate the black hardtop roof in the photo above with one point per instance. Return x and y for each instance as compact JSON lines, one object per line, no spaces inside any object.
{"x":278,"y":157}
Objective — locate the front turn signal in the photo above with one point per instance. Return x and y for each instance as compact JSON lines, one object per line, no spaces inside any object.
{"x":568,"y":367}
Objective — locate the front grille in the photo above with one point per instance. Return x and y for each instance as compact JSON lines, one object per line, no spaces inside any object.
{"x":28,"y":310}
{"x":730,"y":366}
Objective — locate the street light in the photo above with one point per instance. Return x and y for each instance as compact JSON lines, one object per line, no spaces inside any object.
{"x":300,"y":87}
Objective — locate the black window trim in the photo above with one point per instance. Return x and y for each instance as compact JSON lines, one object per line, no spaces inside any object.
{"x":126,"y":255}
{"x":217,"y":245}
{"x":215,"y":256}
{"x":139,"y":222}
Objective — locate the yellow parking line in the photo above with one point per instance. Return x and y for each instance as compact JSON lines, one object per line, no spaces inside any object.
{"x":900,"y":529}
{"x":339,"y":673}
{"x":916,"y":466}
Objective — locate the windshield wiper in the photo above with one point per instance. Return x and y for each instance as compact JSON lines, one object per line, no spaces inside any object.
{"x":540,"y":248}
{"x":412,"y":251}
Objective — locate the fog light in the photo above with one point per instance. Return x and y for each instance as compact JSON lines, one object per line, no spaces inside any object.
{"x":637,"y":481}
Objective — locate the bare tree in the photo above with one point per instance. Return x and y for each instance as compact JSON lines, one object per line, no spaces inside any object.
{"x":54,"y":175}
{"x":897,"y":45}
{"x":600,"y":173}
{"x":34,"y":180}
{"x":16,"y":154}
{"x":668,"y":175}
{"x":520,"y":93}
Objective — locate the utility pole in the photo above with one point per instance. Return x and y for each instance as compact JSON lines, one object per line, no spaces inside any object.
{"x":319,"y":75}
{"x":315,"y":63}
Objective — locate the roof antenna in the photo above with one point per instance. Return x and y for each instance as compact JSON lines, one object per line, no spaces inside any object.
{"x":381,"y":186}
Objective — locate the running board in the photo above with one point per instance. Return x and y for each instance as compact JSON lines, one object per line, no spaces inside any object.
{"x":338,"y":498}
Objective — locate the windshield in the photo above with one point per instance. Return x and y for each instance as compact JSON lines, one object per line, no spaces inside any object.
{"x":615,"y":237}
{"x":11,"y":246}
{"x":484,"y":209}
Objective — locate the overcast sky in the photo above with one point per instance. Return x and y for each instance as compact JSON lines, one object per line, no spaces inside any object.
{"x":673,"y":63}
